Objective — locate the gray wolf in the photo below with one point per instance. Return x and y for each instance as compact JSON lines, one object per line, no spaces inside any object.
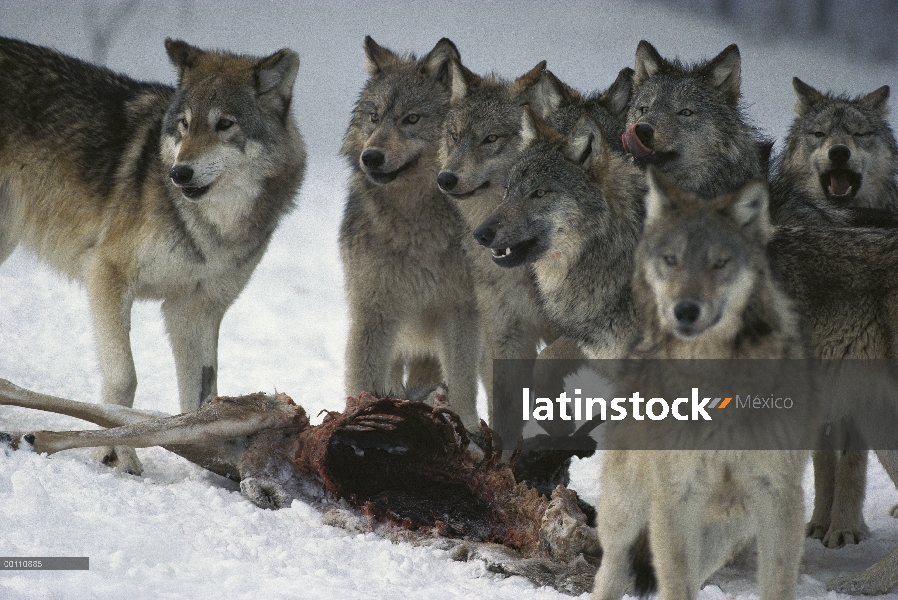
{"x":482,"y":139}
{"x":572,"y":213}
{"x":687,"y":121}
{"x":840,"y":161}
{"x":146,"y":191}
{"x":840,"y":153}
{"x":479,"y":143}
{"x":408,"y":279}
{"x":704,"y":289}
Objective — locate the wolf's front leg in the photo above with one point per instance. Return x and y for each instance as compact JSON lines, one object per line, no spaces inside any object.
{"x":192,"y":322}
{"x":505,"y":335}
{"x":111,"y":299}
{"x":460,"y":353}
{"x":369,"y":353}
{"x":847,"y":524}
{"x":780,"y":541}
{"x":623,"y":513}
{"x":675,"y":524}
{"x":824,"y":484}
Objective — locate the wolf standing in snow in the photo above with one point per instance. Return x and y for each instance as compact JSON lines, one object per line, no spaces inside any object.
{"x":479,"y":143}
{"x":840,"y":153}
{"x":688,"y":122}
{"x":482,"y":140}
{"x":143,"y":190}
{"x":572,"y":212}
{"x":704,"y":290}
{"x":407,"y":278}
{"x":839,"y":161}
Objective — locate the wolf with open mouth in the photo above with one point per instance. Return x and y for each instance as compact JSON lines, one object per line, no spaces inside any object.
{"x":840,"y":154}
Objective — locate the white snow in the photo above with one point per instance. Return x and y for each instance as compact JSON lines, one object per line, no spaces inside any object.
{"x":178,"y":531}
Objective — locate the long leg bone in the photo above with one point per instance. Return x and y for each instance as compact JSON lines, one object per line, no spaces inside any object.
{"x":214,"y":437}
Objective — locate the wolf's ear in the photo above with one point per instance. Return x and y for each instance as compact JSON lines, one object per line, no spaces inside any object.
{"x":530,"y":78}
{"x":182,"y":55}
{"x":648,"y":62}
{"x":377,"y":57}
{"x":617,"y":97}
{"x":436,"y":64}
{"x":529,"y":132}
{"x":725,"y":71}
{"x":877,"y":101}
{"x":805,"y":96}
{"x":277,"y":73}
{"x":750,"y":209}
{"x":659,"y":201}
{"x":462,"y":80}
{"x":583,"y":145}
{"x":546,"y":95}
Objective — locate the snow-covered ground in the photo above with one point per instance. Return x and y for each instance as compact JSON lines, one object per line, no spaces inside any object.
{"x":179,"y":532}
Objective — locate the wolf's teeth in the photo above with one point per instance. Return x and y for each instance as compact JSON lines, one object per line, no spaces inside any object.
{"x":847,"y":192}
{"x":501,"y":253}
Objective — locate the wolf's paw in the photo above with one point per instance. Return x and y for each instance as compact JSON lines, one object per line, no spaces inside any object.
{"x":265,"y":493}
{"x":816,"y":530}
{"x":857,"y":584}
{"x":894,"y":511}
{"x":836,"y":538}
{"x":119,"y":457}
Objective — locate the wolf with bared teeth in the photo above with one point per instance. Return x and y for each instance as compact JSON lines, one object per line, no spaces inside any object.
{"x":840,"y":154}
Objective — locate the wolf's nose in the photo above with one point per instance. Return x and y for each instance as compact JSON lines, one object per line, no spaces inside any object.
{"x":686,"y":312}
{"x":373,"y":158}
{"x":839,"y":153}
{"x":485,"y":235}
{"x":645,"y":133}
{"x":447,"y":180}
{"x":181,"y":174}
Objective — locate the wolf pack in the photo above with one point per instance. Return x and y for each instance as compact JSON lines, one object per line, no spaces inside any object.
{"x":492,"y":219}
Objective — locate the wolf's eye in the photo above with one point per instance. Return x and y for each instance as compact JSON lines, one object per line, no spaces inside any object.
{"x":863,"y":134}
{"x":721,"y":262}
{"x":643,"y":109}
{"x":538,"y":193}
{"x":224,"y":124}
{"x":819,"y":134}
{"x":412,"y":119}
{"x":373,"y":117}
{"x":454,"y":136}
{"x":685,"y":112}
{"x":490,"y":139}
{"x":670,"y":260}
{"x":183,"y":123}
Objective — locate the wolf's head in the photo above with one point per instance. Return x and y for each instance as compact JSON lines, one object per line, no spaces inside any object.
{"x":482,"y":130}
{"x":483,"y":127}
{"x":561,"y":192}
{"x":841,"y":149}
{"x":700,"y":258}
{"x":686,"y":120}
{"x":228,"y":115}
{"x":398,"y":119}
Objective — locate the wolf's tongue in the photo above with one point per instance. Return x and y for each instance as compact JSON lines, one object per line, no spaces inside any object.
{"x":838,"y":184}
{"x":633,"y":144}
